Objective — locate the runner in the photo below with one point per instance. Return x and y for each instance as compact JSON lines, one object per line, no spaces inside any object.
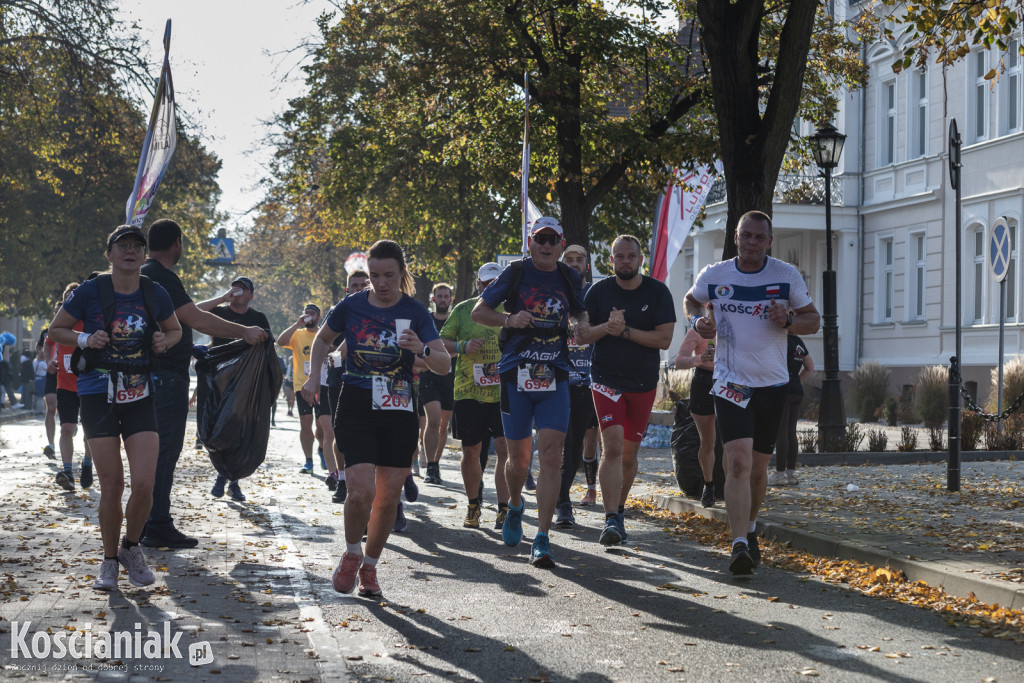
{"x":581,"y":439}
{"x":385,"y":330}
{"x":299,"y":338}
{"x":437,"y":393}
{"x":50,"y":387}
{"x":800,"y":366}
{"x":699,"y":353}
{"x":541,"y":296}
{"x":234,"y":306}
{"x":633,"y":317}
{"x":116,"y":397}
{"x":756,"y":300}
{"x":477,"y":400}
{"x":67,"y":410}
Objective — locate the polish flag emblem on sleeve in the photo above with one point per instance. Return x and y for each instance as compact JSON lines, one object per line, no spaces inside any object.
{"x":771,"y":290}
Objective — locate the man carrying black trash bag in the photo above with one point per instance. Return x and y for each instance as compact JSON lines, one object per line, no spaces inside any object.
{"x":240,"y":382}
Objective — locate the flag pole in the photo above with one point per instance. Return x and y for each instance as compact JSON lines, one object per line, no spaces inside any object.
{"x":525,"y":190}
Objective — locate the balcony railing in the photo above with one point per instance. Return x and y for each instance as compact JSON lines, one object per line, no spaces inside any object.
{"x":790,"y":189}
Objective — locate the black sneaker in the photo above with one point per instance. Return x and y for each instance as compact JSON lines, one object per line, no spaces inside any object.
{"x":340,"y":493}
{"x":85,"y":478}
{"x":65,"y":482}
{"x":332,"y":482}
{"x":741,"y":563}
{"x":412,"y":491}
{"x":168,"y":538}
{"x":707,"y":499}
{"x":754,"y":548}
{"x":235,"y":491}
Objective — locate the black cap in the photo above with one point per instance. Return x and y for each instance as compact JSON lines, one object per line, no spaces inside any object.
{"x":123,"y":231}
{"x":313,"y":306}
{"x":245,"y":282}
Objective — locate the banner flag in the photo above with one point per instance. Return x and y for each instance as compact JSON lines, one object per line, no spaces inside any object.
{"x":158,"y":147}
{"x":675,"y":214}
{"x":525,"y":189}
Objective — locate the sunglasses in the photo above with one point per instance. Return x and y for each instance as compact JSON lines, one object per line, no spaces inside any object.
{"x":547,"y":238}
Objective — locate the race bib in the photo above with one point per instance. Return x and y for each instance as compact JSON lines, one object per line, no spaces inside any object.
{"x":391,"y":393}
{"x":486,"y":374}
{"x":536,"y":377}
{"x":613,"y":394}
{"x":130,"y":388}
{"x":67,"y":362}
{"x":734,"y":393}
{"x":305,"y":367}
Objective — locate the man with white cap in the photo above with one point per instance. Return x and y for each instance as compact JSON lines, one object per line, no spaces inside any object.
{"x":477,"y":399}
{"x":541,"y":296}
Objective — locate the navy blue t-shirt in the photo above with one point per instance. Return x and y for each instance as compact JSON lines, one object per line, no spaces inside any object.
{"x":543,"y":294}
{"x":372,"y":346}
{"x":127,"y":329}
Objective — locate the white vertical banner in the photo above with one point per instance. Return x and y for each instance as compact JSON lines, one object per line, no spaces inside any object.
{"x":677,"y":210}
{"x":525,"y":189}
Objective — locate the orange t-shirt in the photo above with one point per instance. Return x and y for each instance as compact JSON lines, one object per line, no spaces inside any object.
{"x":66,"y":379}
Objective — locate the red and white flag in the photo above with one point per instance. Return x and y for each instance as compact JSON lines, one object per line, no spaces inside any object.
{"x":676,"y":212}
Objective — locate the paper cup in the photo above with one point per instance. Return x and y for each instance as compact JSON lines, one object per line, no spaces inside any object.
{"x":308,"y":319}
{"x":236,"y":292}
{"x":401,"y":325}
{"x":336,"y":357}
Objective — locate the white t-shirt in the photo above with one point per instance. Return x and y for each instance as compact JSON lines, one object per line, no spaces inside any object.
{"x":751,"y":349}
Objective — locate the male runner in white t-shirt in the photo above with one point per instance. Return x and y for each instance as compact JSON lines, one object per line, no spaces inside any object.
{"x":756,"y":300}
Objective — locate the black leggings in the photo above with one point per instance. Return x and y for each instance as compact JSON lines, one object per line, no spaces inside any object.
{"x":582,"y":417}
{"x":786,"y":445}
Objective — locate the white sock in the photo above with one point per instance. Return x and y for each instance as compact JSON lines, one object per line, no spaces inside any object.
{"x":753,"y":527}
{"x":371,"y":561}
{"x":354,"y":548}
{"x":341,"y":475}
{"x":739,"y":540}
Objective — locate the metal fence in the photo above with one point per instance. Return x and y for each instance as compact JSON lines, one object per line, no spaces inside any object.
{"x":790,"y":189}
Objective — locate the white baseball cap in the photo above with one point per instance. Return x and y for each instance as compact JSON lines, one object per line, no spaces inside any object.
{"x":488,"y":272}
{"x":546,"y":223}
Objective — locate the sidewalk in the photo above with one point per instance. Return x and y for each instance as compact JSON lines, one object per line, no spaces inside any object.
{"x":898,"y":515}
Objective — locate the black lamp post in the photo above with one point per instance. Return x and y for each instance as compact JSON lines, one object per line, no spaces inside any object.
{"x":827,"y":146}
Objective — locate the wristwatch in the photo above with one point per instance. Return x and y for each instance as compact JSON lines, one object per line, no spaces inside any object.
{"x":789,"y":320}
{"x":625,"y":332}
{"x":693,"y":322}
{"x":426,"y":351}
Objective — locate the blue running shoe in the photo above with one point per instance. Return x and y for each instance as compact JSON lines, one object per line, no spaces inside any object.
{"x":412,"y":491}
{"x":323,"y":463}
{"x":512,"y":529}
{"x":610,"y":534}
{"x":306,"y":468}
{"x":623,"y":536}
{"x":540,"y":553}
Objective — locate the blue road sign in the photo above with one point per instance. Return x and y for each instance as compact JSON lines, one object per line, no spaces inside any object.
{"x":999,"y":249}
{"x":224,"y":251}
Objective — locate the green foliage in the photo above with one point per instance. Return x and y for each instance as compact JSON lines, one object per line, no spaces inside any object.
{"x":908,"y":440}
{"x":972,"y":426}
{"x":853,"y":437}
{"x":932,"y":395}
{"x":936,"y":439}
{"x":1006,"y":437}
{"x":891,"y":411}
{"x":878,"y":440}
{"x":869,"y":390}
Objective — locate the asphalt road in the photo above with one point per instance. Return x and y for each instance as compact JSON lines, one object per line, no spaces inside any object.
{"x":460,"y":605}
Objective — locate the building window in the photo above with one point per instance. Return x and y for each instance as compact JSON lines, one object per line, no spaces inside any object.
{"x":977,"y":97}
{"x":978,"y":309}
{"x":887,"y":124}
{"x":916,"y":276}
{"x":1010,"y":91}
{"x":885,"y":277}
{"x":918,"y":114}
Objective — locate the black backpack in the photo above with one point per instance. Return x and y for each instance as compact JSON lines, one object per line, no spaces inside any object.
{"x":512,"y":299}
{"x":87,"y":360}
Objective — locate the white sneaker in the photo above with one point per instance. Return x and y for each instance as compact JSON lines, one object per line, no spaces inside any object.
{"x":107,"y":580}
{"x":778,"y":479}
{"x":134,"y":561}
{"x":791,"y":477}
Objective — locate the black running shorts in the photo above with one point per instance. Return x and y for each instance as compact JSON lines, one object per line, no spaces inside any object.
{"x":758,"y":421}
{"x":67,"y":407}
{"x":474,"y":421}
{"x":385,"y":438}
{"x":101,"y":419}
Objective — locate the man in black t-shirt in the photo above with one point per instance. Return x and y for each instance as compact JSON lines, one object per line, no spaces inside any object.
{"x":171,"y":379}
{"x":631,"y":318}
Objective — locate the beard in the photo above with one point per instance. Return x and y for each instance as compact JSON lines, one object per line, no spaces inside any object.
{"x":440,"y":310}
{"x":625,"y":274}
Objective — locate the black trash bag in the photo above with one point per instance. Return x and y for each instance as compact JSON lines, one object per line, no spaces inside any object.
{"x":685,"y":447}
{"x":240,"y":383}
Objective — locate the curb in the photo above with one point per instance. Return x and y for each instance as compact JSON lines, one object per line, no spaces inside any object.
{"x":904,"y":458}
{"x":950,"y":577}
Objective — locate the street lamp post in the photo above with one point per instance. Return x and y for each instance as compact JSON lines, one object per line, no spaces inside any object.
{"x":827,"y":146}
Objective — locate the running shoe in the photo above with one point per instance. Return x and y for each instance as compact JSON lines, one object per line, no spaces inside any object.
{"x":531,"y":485}
{"x":85,"y":478}
{"x":707,"y":498}
{"x":49,"y":452}
{"x":540,"y":552}
{"x":778,"y":479}
{"x":307,"y":468}
{"x":564,"y":518}
{"x":323,"y":462}
{"x":499,"y":521}
{"x":754,"y":548}
{"x":168,"y":538}
{"x":332,"y":482}
{"x":512,"y":528}
{"x":429,"y":477}
{"x":741,"y":563}
{"x":416,"y":468}
{"x":622,"y":528}
{"x":368,"y":586}
{"x":472,"y":516}
{"x":590,"y":498}
{"x":236,"y":492}
{"x":401,"y":523}
{"x":65,"y":481}
{"x":218,"y":486}
{"x":412,"y":491}
{"x":340,"y":493}
{"x":134,"y":561}
{"x":107,"y":580}
{"x":610,"y":534}
{"x":791,"y":478}
{"x":344,"y":578}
